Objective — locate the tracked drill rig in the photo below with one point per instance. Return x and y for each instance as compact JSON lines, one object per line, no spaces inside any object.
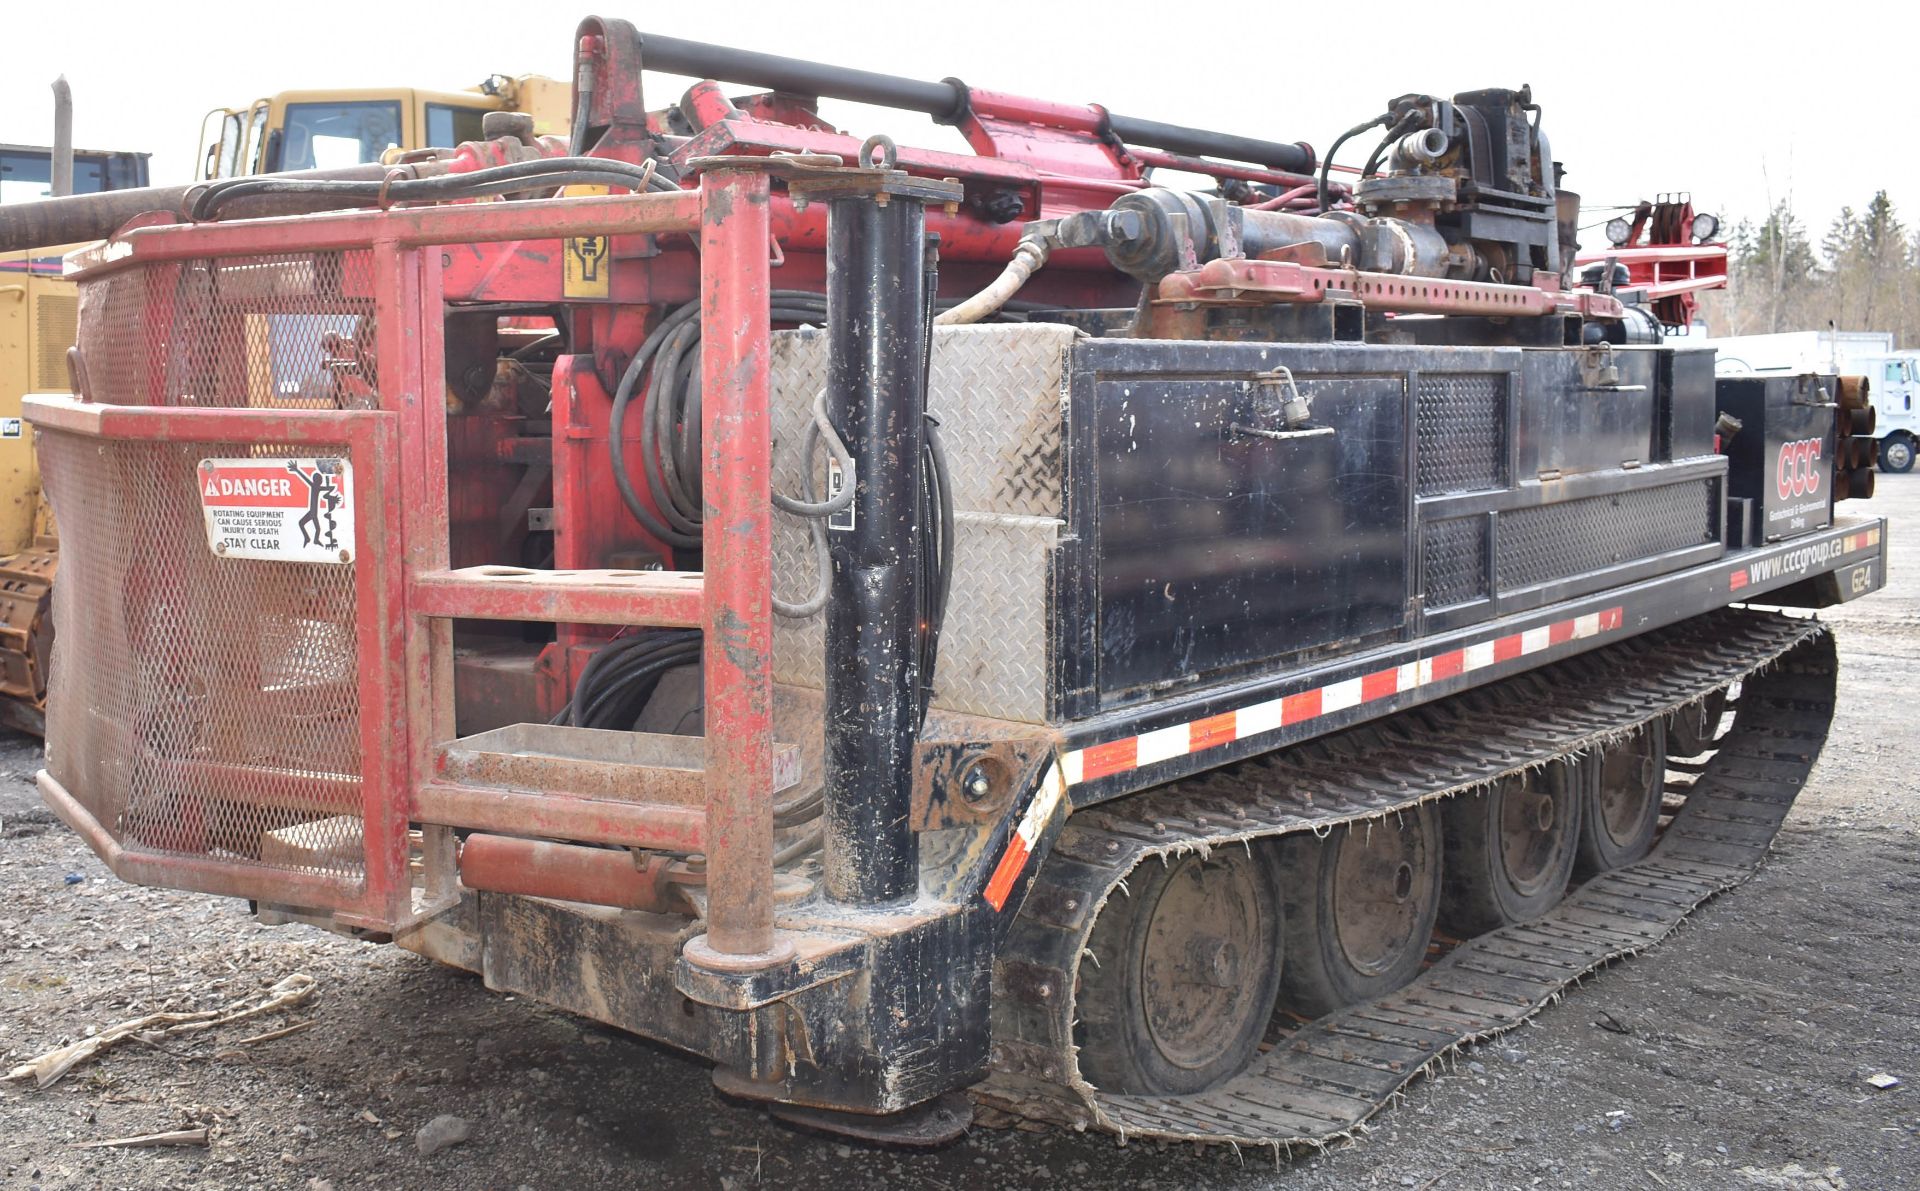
{"x":895,"y":622}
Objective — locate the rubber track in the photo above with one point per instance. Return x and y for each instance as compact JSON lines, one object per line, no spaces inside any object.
{"x":1329,"y":1076}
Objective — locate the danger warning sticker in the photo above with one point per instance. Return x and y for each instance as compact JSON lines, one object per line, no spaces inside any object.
{"x":287,"y":510}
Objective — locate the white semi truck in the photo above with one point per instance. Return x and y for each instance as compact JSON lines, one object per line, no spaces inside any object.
{"x":1895,"y":376}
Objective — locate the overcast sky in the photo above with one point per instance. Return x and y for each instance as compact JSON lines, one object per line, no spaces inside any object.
{"x":1734,"y":102}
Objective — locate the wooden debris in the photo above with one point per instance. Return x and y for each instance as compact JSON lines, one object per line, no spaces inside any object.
{"x":48,"y":1069}
{"x":270,"y":1035}
{"x":173,"y":1137}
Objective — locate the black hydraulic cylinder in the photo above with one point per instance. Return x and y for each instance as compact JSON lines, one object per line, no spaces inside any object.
{"x":946,"y":101}
{"x":876,"y":397}
{"x":726,"y":64}
{"x":1176,"y":138}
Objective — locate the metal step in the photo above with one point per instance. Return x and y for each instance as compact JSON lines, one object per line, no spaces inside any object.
{"x":632,"y":789}
{"x":667,"y":599}
{"x":595,"y":763}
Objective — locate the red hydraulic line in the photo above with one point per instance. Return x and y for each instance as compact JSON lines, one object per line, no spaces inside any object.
{"x":1224,"y":169}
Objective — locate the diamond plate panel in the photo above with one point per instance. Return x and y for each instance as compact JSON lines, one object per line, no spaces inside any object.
{"x":1549,"y":542}
{"x":999,"y":392}
{"x":1453,"y":561}
{"x":1463,"y":432}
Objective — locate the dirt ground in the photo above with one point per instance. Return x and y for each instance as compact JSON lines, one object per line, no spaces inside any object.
{"x":1737,"y":1055}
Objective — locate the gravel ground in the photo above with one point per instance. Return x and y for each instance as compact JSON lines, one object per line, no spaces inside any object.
{"x":1738,"y":1055}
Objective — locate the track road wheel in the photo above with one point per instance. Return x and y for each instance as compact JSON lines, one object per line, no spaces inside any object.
{"x":1624,"y":786}
{"x":1184,"y":969}
{"x":1691,"y":730}
{"x":1510,"y":849}
{"x":1359,"y":910}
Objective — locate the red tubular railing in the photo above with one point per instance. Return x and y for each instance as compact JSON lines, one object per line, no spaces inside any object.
{"x":411,"y":598}
{"x":734,"y":296}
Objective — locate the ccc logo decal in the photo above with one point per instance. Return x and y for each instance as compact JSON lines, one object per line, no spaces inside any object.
{"x":1794,"y":474}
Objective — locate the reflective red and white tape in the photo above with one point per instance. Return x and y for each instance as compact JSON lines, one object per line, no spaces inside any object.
{"x":1861,"y":540}
{"x":1197,"y":736}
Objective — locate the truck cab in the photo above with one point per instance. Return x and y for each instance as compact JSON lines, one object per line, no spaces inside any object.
{"x":1895,"y":379}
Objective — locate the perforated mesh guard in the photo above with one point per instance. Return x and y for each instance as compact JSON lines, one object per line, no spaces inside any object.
{"x":1454,"y":561}
{"x":282,"y":332}
{"x":199,"y":705}
{"x":1463,"y":432}
{"x":1549,"y":542}
{"x":204,"y":706}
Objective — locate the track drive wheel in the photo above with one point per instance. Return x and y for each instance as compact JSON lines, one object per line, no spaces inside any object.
{"x":1185,"y":965}
{"x":1691,"y":730}
{"x":1624,"y":784}
{"x":1510,"y":849}
{"x":1359,"y":910}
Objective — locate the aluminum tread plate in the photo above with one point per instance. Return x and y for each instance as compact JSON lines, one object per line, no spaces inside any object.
{"x":999,"y":392}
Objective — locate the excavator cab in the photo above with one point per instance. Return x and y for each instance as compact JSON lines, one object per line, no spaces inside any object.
{"x":303,"y":130}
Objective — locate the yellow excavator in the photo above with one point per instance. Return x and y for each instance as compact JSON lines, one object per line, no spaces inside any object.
{"x":304,"y":130}
{"x":292,"y":130}
{"x":38,"y":312}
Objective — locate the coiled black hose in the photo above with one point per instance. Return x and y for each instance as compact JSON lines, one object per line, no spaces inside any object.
{"x":615,"y":685}
{"x":669,"y":363}
{"x":617,"y":681}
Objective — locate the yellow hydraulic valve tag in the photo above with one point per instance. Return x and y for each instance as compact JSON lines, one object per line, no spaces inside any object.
{"x":588,"y":262}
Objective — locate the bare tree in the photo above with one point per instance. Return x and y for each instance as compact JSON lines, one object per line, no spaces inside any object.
{"x":1864,"y":275}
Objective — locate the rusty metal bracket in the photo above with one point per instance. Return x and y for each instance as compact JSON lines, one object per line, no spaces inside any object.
{"x":970,"y":773}
{"x":817,"y":177}
{"x":752,"y":988}
{"x":1266,"y":281}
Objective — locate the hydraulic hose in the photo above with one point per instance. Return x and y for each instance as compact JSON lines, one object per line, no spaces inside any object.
{"x":1028,"y":256}
{"x":1324,"y":193}
{"x":614,"y":686}
{"x":545,"y":173}
{"x":670,"y":419}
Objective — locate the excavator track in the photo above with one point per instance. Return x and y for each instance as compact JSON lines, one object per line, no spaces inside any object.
{"x":1322,"y":1080}
{"x":26,"y":635}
